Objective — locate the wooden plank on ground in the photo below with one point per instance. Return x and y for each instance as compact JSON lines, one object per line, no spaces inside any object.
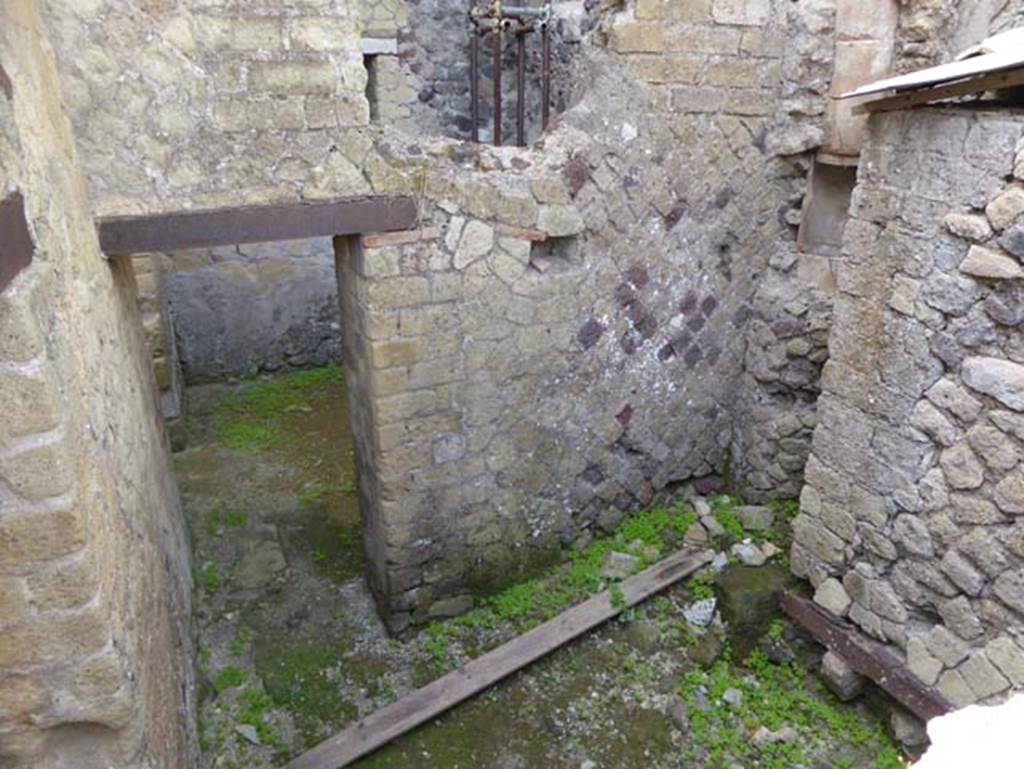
{"x":992,"y":82}
{"x":124,"y":235}
{"x":422,"y":705}
{"x":867,"y":656}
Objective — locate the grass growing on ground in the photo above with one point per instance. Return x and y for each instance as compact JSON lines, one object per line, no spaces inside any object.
{"x":256,"y":418}
{"x":773,"y":696}
{"x":647,"y":535}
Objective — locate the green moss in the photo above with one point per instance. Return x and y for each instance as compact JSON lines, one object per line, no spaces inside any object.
{"x":241,"y":641}
{"x":775,"y":696}
{"x":722,"y":509}
{"x":219,"y":517}
{"x":229,"y":677}
{"x":304,"y":679}
{"x":210,"y":577}
{"x":702,"y":585}
{"x":254,"y":709}
{"x":256,"y":418}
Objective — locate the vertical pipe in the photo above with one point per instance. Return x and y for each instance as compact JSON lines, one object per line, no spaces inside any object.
{"x":474,"y":81}
{"x":496,"y":76}
{"x":546,"y":76}
{"x":521,"y":88}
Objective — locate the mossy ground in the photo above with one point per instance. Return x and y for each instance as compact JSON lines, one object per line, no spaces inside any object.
{"x":302,"y":654}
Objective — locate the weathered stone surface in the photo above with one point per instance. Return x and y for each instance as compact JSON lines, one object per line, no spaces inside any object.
{"x":1009,"y":493}
{"x":476,"y":240}
{"x":921,"y":663}
{"x":982,"y":677}
{"x":994,"y":447}
{"x":955,"y":399}
{"x":755,"y":517}
{"x":1002,"y":379}
{"x":961,"y":467}
{"x":959,"y":616}
{"x":962,"y":573}
{"x":749,"y":554}
{"x":908,"y":730}
{"x":1008,"y":657}
{"x":954,"y":688}
{"x":831,"y":595}
{"x":969,"y":227}
{"x":988,"y":263}
{"x":945,"y":646}
{"x":1009,"y":588}
{"x":912,"y":533}
{"x":845,"y":682}
{"x":618,"y":565}
{"x":1004,"y":209}
{"x":934,"y":423}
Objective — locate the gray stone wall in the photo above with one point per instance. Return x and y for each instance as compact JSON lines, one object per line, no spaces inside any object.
{"x":909,"y":519}
{"x":261,"y":307}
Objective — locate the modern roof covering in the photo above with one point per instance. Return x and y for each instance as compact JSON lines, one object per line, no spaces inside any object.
{"x":1001,"y":54}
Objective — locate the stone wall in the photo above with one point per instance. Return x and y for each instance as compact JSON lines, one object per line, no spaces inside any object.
{"x":909,"y":519}
{"x":94,"y":587}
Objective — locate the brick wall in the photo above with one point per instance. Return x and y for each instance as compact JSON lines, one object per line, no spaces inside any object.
{"x":91,"y":542}
{"x":909,"y":519}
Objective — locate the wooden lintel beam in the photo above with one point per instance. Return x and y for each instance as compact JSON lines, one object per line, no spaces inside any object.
{"x":422,"y":705}
{"x":992,"y":82}
{"x":124,"y":235}
{"x":867,"y":656}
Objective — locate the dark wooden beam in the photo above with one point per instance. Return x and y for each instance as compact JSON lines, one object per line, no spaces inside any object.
{"x":432,"y":700}
{"x":867,"y":656}
{"x":16,"y":247}
{"x":123,"y":235}
{"x":992,"y":82}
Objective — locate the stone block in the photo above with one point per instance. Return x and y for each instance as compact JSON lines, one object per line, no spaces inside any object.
{"x":955,"y":399}
{"x":969,"y":226}
{"x":40,"y":536}
{"x":994,"y":447}
{"x":397,"y":292}
{"x":40,"y":471}
{"x":245,"y":115}
{"x":55,"y":638}
{"x":1002,"y":379}
{"x":1009,"y":493}
{"x":845,"y":682}
{"x":323,"y":33}
{"x":831,"y":595}
{"x":958,"y":615}
{"x":742,"y":12}
{"x":961,"y":467}
{"x":20,"y":339}
{"x":13,"y":601}
{"x":1009,"y":588}
{"x":293,"y":77}
{"x":945,"y":646}
{"x":396,"y":353}
{"x":637,"y":37}
{"x":988,"y":263}
{"x":1008,"y":657}
{"x":962,"y":573}
{"x":560,"y":221}
{"x":29,"y":405}
{"x":922,"y":664}
{"x":65,"y":585}
{"x":20,"y":696}
{"x":475,"y":240}
{"x":1004,"y":210}
{"x":954,"y":688}
{"x":238,"y":33}
{"x":982,"y":677}
{"x":912,"y":533}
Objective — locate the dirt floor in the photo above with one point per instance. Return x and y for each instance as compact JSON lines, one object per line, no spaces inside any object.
{"x":291,"y":649}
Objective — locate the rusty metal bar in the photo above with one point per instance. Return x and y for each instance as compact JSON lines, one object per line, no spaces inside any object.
{"x":474,"y":74}
{"x":521,"y":89}
{"x":496,"y":77}
{"x":546,"y":74}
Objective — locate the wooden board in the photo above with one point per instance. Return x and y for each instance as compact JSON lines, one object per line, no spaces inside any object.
{"x":435,"y":698}
{"x":867,"y":656}
{"x":120,"y":236}
{"x":993,"y":82}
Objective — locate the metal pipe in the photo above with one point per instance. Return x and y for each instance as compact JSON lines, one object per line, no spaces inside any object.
{"x":496,"y":77}
{"x":474,"y":78}
{"x":521,"y":89}
{"x":517,"y":12}
{"x":546,"y":76}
